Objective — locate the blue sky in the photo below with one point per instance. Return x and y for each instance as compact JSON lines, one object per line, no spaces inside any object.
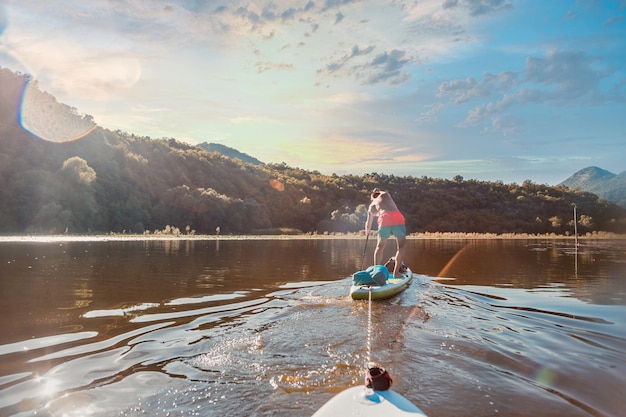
{"x":487,"y":89}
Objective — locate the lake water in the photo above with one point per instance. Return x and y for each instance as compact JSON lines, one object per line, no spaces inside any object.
{"x":265,"y":327}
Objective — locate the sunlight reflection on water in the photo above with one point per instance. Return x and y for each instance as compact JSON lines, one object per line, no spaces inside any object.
{"x":511,"y":330}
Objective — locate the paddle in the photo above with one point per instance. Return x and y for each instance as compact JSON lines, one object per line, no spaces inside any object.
{"x":364,"y":250}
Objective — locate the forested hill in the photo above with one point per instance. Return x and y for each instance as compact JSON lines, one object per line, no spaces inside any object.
{"x":111,"y":181}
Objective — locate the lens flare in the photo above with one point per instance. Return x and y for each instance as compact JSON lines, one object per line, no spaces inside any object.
{"x":546,"y":377}
{"x":277,"y":185}
{"x":419,"y":308}
{"x":3,"y":19}
{"x":43,"y":116}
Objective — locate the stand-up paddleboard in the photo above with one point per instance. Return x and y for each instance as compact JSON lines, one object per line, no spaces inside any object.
{"x":391,"y":287}
{"x":365,"y":402}
{"x":374,"y":398}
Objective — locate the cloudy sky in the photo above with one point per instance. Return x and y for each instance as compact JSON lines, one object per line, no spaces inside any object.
{"x":488,"y":89}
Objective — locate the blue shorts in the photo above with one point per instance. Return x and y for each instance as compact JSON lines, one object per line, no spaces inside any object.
{"x":397,"y":230}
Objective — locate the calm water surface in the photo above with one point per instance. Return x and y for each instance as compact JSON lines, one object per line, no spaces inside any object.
{"x":266,"y":327}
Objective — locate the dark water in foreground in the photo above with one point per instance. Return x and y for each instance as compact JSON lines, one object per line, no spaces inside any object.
{"x":265,"y":327}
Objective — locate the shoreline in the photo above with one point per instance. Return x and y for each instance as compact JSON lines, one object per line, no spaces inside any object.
{"x":414,"y":236}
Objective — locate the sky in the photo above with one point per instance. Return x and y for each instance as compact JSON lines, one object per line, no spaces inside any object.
{"x":493,"y":90}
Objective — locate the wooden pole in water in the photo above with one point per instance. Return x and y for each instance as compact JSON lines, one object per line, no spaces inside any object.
{"x":575,"y":242}
{"x":575,"y":227}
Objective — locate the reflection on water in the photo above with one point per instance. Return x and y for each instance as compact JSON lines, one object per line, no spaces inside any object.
{"x":265,"y":327}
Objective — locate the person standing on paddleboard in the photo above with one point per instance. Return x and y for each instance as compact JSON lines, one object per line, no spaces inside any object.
{"x":390,"y":222}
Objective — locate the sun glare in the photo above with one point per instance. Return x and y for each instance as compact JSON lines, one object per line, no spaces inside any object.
{"x":47,"y":387}
{"x":44,"y":117}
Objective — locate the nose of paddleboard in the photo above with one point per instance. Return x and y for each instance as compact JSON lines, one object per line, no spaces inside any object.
{"x":368,"y":396}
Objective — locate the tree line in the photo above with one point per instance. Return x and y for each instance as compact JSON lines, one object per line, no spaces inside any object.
{"x":112,"y":181}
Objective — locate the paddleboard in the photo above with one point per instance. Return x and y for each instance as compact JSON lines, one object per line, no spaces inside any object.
{"x":365,"y":402}
{"x":392,"y":287}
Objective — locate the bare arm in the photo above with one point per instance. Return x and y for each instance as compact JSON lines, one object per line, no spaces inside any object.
{"x":371,"y":213}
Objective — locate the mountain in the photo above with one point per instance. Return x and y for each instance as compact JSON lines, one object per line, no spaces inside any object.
{"x":229,"y":152}
{"x":105,"y":181}
{"x":601,"y":182}
{"x":588,"y":178}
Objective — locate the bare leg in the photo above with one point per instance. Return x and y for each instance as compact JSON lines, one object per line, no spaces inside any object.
{"x":399,"y":255}
{"x":380,"y":250}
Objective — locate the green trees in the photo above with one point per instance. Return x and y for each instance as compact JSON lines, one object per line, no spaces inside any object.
{"x":111,"y":181}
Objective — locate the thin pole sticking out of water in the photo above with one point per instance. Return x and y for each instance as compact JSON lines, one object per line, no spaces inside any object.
{"x":575,"y":243}
{"x":575,"y":228}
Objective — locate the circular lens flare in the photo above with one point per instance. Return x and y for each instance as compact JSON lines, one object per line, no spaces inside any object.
{"x":277,"y":185}
{"x":43,"y":116}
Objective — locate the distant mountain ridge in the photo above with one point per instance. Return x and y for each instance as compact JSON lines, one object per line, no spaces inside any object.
{"x":229,"y":152}
{"x":603,"y":183}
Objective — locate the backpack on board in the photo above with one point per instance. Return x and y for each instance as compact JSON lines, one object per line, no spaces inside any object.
{"x":374,"y":275}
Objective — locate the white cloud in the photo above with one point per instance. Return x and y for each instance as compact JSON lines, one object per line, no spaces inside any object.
{"x":479,"y":7}
{"x":400,"y":75}
{"x":560,"y":78}
{"x":566,"y":76}
{"x":464,"y":90}
{"x":431,"y":114}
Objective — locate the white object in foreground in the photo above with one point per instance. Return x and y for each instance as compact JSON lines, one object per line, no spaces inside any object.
{"x":365,"y":402}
